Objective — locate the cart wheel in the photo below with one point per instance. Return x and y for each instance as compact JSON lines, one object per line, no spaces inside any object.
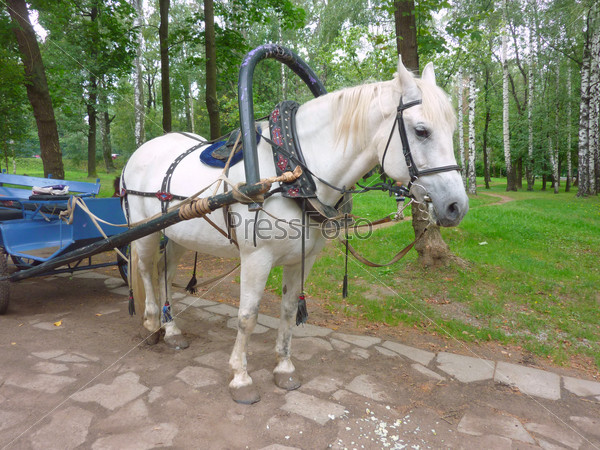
{"x":5,"y":284}
{"x":122,"y":263}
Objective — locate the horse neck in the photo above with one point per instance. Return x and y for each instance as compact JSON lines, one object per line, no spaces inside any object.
{"x":339,"y":162}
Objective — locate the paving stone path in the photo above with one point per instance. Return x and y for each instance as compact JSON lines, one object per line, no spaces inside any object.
{"x":74,"y":375}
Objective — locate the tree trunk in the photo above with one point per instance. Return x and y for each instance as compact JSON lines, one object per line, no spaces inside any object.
{"x":37,"y":89}
{"x":91,"y":112}
{"x":461,"y":132}
{"x":432,"y":249}
{"x":472,"y":175}
{"x":406,"y":33}
{"x":212,"y":103}
{"x":163,"y":33}
{"x":555,"y":156}
{"x":510,"y":176}
{"x":138,"y":81}
{"x":584,"y":105}
{"x":569,"y":135}
{"x":593,"y":171}
{"x":530,"y":162}
{"x":105,"y":121}
{"x":488,"y":118}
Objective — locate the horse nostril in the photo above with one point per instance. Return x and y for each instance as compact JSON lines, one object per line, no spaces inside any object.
{"x":453,"y":211}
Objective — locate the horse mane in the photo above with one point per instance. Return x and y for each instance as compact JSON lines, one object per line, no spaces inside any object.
{"x":354,"y":104}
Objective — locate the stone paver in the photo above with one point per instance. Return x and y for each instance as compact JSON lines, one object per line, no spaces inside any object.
{"x":306,"y":348}
{"x":49,"y":367}
{"x":313,"y":408}
{"x":485,"y":423}
{"x":217,"y":360}
{"x":418,"y":355}
{"x":360,"y":353}
{"x":308,"y":330}
{"x":223,"y":310}
{"x":157,"y":435}
{"x":583,"y":388}
{"x":536,"y":382}
{"x":122,"y":390}
{"x":50,"y":384}
{"x":199,"y":377}
{"x":339,"y":345}
{"x":197,"y":302}
{"x":465,"y":368}
{"x":322,"y":384}
{"x":428,"y":373}
{"x":361,"y":341}
{"x":587,"y":424}
{"x":67,"y":429}
{"x":366,"y":386}
{"x":123,"y":290}
{"x":49,"y":354}
{"x":113,"y":283}
{"x":258,"y":328}
{"x":558,"y":433}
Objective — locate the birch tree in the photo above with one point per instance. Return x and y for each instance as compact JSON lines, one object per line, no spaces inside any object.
{"x":138,"y":80}
{"x":461,"y":132}
{"x":510,"y":185}
{"x":594,"y":102}
{"x":472,"y":178}
{"x":530,"y":161}
{"x":584,"y":115}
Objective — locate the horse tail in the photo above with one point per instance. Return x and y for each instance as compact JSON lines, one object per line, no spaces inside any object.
{"x":139,"y":294}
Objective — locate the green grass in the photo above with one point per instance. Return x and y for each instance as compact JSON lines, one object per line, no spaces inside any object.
{"x":33,"y":167}
{"x":530,"y":275}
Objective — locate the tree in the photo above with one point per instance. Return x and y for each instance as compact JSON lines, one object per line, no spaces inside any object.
{"x":432,"y":249}
{"x":212,"y":103}
{"x":472,"y":94}
{"x":406,"y":32}
{"x":37,"y":89}
{"x":138,"y":81}
{"x":165,"y":83}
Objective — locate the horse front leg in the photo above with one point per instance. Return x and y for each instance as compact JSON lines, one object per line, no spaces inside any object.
{"x":284,"y":373}
{"x":173,"y":336}
{"x":254,"y":273}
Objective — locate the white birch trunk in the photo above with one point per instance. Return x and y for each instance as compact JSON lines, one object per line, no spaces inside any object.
{"x":583,"y":147}
{"x":594,"y":102}
{"x":472,"y":177}
{"x":530,"y":93}
{"x":138,"y":81}
{"x":461,"y":133}
{"x":505,"y":109}
{"x":555,"y":173}
{"x":569,"y":134}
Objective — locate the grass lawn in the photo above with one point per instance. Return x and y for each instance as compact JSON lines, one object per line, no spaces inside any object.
{"x":530,"y":275}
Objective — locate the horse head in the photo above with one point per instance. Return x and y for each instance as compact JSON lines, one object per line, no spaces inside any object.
{"x":419,"y":150}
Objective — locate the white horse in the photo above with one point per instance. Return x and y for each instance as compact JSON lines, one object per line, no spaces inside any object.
{"x":343,"y":135}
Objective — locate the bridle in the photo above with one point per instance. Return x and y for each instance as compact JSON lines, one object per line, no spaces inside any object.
{"x":413,"y":171}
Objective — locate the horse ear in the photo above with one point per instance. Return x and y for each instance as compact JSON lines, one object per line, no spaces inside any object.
{"x":429,"y":74}
{"x":407,"y":81}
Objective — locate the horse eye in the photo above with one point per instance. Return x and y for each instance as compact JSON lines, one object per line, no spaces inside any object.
{"x":422,"y":132}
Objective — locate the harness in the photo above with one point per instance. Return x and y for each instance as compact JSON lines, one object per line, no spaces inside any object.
{"x":413,"y":171}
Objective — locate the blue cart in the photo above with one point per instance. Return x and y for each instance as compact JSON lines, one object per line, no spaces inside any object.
{"x":35,"y":228}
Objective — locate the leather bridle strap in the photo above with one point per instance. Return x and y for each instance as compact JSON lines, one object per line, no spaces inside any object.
{"x":413,"y":171}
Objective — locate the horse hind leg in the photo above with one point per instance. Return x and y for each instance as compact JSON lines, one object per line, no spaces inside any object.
{"x":143,"y":255}
{"x":284,"y":374}
{"x":254,"y":274}
{"x":173,"y":335}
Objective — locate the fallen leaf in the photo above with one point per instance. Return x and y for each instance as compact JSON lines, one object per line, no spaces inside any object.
{"x":98,"y":315}
{"x":58,"y":324}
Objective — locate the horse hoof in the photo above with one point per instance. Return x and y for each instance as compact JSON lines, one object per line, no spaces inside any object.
{"x":176,"y":341}
{"x":287,"y":381}
{"x":246,"y":395}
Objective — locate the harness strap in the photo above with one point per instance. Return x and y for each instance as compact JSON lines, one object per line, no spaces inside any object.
{"x":394,"y":260}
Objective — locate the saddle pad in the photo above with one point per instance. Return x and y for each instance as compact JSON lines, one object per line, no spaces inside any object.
{"x":217,"y":154}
